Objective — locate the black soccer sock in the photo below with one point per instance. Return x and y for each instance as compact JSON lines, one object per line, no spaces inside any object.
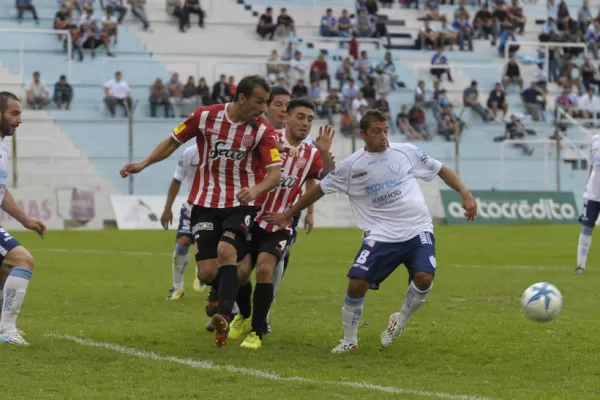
{"x":263,"y":297}
{"x":244,"y":300}
{"x":228,"y":288}
{"x":215,"y":282}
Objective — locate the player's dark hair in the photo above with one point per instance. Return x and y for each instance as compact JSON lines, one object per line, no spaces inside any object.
{"x":300,"y":102}
{"x":247,"y":85}
{"x":4,"y":98}
{"x":277,"y":91}
{"x":369,"y":117}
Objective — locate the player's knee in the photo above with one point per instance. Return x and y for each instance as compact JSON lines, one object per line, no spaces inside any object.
{"x":207,"y":271}
{"x":357,"y":288}
{"x":20,"y":257}
{"x":423,"y":280}
{"x":184,"y":241}
{"x":226,"y":253}
{"x":264,"y":273}
{"x":587,"y":230}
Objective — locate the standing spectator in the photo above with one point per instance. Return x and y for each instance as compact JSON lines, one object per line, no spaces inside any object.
{"x":220,"y":92}
{"x":110,"y":24}
{"x":319,"y":71}
{"x":387,"y":73}
{"x":26,"y":5}
{"x":470,"y":100}
{"x":138,"y":9}
{"x":439,"y":58}
{"x":345,"y":25}
{"x":299,"y":89}
{"x":265,"y":26}
{"x":371,"y":6}
{"x":63,"y":93}
{"x":416,"y":118}
{"x":506,"y":37}
{"x":117,"y":6}
{"x":364,"y":29}
{"x":329,"y":25}
{"x":497,"y":100}
{"x":353,"y":46}
{"x":286,"y":24}
{"x":175,"y":89}
{"x":116,"y":92}
{"x":533,"y":101}
{"x":232,"y":85}
{"x":203,"y":93}
{"x":512,"y":74}
{"x":37,"y":93}
{"x":159,"y":96}
{"x":188,"y":98}
{"x":563,"y":20}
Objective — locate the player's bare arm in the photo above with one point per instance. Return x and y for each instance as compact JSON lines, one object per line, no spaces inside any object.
{"x":454,"y":182}
{"x":10,"y":206}
{"x":286,"y":148}
{"x":271,"y":181}
{"x":309,"y":219}
{"x":166,"y":218}
{"x":309,"y":198}
{"x":161,"y":152}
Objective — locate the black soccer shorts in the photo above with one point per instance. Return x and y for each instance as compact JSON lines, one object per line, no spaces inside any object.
{"x":262,"y":241}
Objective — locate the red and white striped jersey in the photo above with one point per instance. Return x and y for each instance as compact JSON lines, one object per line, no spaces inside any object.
{"x":294,"y":171}
{"x":232,"y":156}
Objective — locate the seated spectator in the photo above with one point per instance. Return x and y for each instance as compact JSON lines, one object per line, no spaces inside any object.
{"x":284,"y":83}
{"x":265,"y":26}
{"x":549,"y":31}
{"x":349,"y":92}
{"x":274,"y":68}
{"x":506,"y":37}
{"x":314,"y":94}
{"x":515,"y":130}
{"x":364,"y":29}
{"x":188,"y":98}
{"x":175,"y":89}
{"x":347,"y":124}
{"x":429,"y":37}
{"x":232,"y":85}
{"x":345,"y":25}
{"x":203,"y":96}
{"x":298,"y":68}
{"x":592,"y":36}
{"x":470,"y":100}
{"x":533,"y":101}
{"x":365,"y":70}
{"x":570,"y":75}
{"x":387,"y":73}
{"x":62,"y":20}
{"x":37,"y":93}
{"x":369,"y":94}
{"x":221,"y":91}
{"x":26,"y":5}
{"x":86,"y":19}
{"x":320,"y":72}
{"x":584,"y":16}
{"x":447,"y":34}
{"x":461,"y":11}
{"x":117,"y":7}
{"x":516,"y":16}
{"x":382,"y":105}
{"x":332,"y":105}
{"x":116,"y":92}
{"x":447,"y":124}
{"x":404,"y":126}
{"x":565,"y":104}
{"x":541,"y":77}
{"x":483,"y":23}
{"x":63,"y":93}
{"x":588,"y":105}
{"x":299,"y":89}
{"x":190,"y":7}
{"x":288,"y":52}
{"x":371,"y":6}
{"x":110,"y":24}
{"x":512,"y":74}
{"x":588,"y":74}
{"x":432,"y":8}
{"x":344,"y":72}
{"x":286,"y":24}
{"x":497,"y":100}
{"x":465,"y":32}
{"x":329,"y":25}
{"x":96,"y":37}
{"x":563,"y":20}
{"x":416,"y":118}
{"x":440,"y":59}
{"x":159,"y":96}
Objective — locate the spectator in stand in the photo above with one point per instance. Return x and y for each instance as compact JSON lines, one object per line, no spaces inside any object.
{"x":232,"y":85}
{"x":515,"y":130}
{"x":332,"y":105}
{"x":364,"y":28}
{"x":404,"y":126}
{"x":191,"y":7}
{"x":438,"y":59}
{"x":358,"y":105}
{"x":349,"y":92}
{"x":588,"y":74}
{"x":570,"y":76}
{"x":470,"y":100}
{"x":314,"y":94}
{"x":387,"y":73}
{"x":345,"y":25}
{"x":26,"y":5}
{"x":110,"y":24}
{"x":465,"y":31}
{"x":116,"y":92}
{"x":299,"y":89}
{"x":361,"y":5}
{"x":347,"y":124}
{"x":516,"y":16}
{"x":288,"y":52}
{"x":365,"y":69}
{"x":203,"y":93}
{"x":344,"y":72}
{"x":138,"y":9}
{"x":353,"y":46}
{"x":86,"y":19}
{"x":550,"y":31}
{"x":188,"y":98}
{"x":584,"y":16}
{"x":461,"y":11}
{"x":372,"y":7}
{"x":563,"y":20}
{"x":484,"y":23}
{"x":62,"y":20}
{"x":512,"y":74}
{"x":284,"y":83}
{"x":63,"y":93}
{"x":220,"y":91}
{"x":497,"y":100}
{"x":564,"y":103}
{"x":592,"y":36}
{"x":298,"y":68}
{"x":96,"y":37}
{"x":588,"y":104}
{"x":369,"y":94}
{"x":286,"y":24}
{"x":37,"y":93}
{"x":533,"y":101}
{"x":265,"y":26}
{"x":447,"y":124}
{"x":329,"y":24}
{"x":386,"y":3}
{"x":274,"y":68}
{"x":541,"y":77}
{"x":432,"y":8}
{"x":77,"y":45}
{"x":159,"y":96}
{"x":117,"y":7}
{"x":506,"y":37}
{"x":552,"y":9}
{"x":175,"y":89}
{"x":382,"y":105}
{"x":429,"y":37}
{"x":447,"y":35}
{"x":416,"y":118}
{"x":319,"y":71}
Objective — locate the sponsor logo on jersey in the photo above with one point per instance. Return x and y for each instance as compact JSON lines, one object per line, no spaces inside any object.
{"x":179,"y":128}
{"x":275,"y":156}
{"x":374,"y":189}
{"x":221,"y":151}
{"x":387,"y":198}
{"x":213,"y":131}
{"x":359,"y":174}
{"x":288,"y":182}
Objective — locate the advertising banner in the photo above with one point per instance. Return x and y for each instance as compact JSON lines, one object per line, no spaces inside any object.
{"x":143,"y":212}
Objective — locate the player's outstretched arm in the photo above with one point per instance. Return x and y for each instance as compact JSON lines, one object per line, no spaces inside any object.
{"x":454,"y":182}
{"x":162,"y":151}
{"x":10,"y":206}
{"x":166,"y":218}
{"x":310,"y":197}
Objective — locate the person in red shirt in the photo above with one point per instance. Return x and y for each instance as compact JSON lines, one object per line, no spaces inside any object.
{"x":320,"y":72}
{"x":238,"y":164}
{"x":232,"y":85}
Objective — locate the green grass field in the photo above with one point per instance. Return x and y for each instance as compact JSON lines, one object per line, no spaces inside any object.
{"x":468,"y":342}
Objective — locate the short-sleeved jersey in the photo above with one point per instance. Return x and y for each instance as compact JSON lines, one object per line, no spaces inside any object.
{"x":592,"y":189}
{"x":3,"y":170}
{"x":187,"y":166}
{"x":384,"y":195}
{"x":231,"y":155}
{"x":294,"y":172}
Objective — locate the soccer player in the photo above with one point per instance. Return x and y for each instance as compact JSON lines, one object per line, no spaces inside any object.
{"x":268,"y":241}
{"x":238,"y":164}
{"x":13,"y":256}
{"x":186,"y":169}
{"x":381,"y":183}
{"x":591,"y":207}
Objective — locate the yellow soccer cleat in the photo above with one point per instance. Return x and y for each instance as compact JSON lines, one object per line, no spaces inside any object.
{"x":239,"y":327}
{"x":198,"y":287}
{"x":175,"y":294}
{"x":252,"y":342}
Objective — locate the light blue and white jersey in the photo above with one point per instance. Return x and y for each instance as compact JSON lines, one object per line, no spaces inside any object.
{"x":384,"y":195}
{"x":187,"y":166}
{"x":3,"y":170}
{"x":592,"y":189}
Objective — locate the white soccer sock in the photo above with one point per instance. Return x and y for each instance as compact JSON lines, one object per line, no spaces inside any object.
{"x":351,"y":313}
{"x":585,"y":241}
{"x":180,"y":262}
{"x":278,"y":274}
{"x":414,"y":300}
{"x":14,"y":293}
{"x":235,"y":309}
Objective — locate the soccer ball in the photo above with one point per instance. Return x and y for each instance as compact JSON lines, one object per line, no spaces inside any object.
{"x":541,"y":302}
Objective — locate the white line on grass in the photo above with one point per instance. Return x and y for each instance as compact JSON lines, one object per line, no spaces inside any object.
{"x":349,"y":262}
{"x":257,"y":373}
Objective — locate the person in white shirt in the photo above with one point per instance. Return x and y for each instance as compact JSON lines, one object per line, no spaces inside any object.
{"x":588,"y":104}
{"x":116,"y":92}
{"x":86,"y":19}
{"x":37,"y":93}
{"x":591,"y":207}
{"x":298,"y":68}
{"x":110,"y":24}
{"x":388,"y":205}
{"x":356,"y":105}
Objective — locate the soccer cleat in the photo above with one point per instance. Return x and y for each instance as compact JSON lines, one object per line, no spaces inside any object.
{"x":198,"y":286}
{"x":393,"y":330}
{"x":344,"y":347}
{"x":14,"y":337}
{"x":175,"y":294}
{"x":221,"y":327}
{"x":252,"y":342}
{"x":578,"y":270}
{"x":238,"y":327}
{"x":212,"y":303}
{"x":267,"y":329}
{"x":209,"y":326}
